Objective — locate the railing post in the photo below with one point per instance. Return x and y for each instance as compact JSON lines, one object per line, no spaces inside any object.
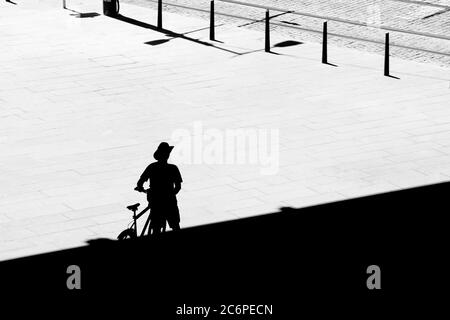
{"x":325,"y":44}
{"x":386,"y":56}
{"x":159,"y":14}
{"x":267,"y":46}
{"x":211,"y":22}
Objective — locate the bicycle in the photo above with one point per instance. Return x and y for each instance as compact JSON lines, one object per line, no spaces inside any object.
{"x":132,"y":231}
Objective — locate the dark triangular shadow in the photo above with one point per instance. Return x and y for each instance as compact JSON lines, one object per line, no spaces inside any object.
{"x":263,"y":257}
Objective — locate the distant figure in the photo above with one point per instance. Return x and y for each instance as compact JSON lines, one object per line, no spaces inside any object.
{"x":165,"y":183}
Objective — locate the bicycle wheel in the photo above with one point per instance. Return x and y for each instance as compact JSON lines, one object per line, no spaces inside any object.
{"x":126,"y":234}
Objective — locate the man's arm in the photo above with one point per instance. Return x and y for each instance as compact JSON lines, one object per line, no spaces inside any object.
{"x":144,"y":177}
{"x":177,"y":187}
{"x":178,"y":180}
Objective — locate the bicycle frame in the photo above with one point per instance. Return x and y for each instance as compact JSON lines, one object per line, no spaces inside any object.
{"x":132,"y":231}
{"x":135,"y":217}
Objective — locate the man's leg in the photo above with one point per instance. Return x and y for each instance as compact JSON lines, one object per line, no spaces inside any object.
{"x":173,"y":218}
{"x":175,"y":226}
{"x":157,"y":220}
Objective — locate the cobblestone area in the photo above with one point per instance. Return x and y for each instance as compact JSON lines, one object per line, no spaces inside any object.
{"x":411,"y":17}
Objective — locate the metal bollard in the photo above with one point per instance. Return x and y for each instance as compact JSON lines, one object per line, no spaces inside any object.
{"x":64,"y":4}
{"x":212,"y":35}
{"x":111,"y":8}
{"x":267,"y":44}
{"x":159,"y":14}
{"x":325,"y":44}
{"x":386,"y":56}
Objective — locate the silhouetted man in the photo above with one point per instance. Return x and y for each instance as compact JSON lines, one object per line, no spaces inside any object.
{"x":165,"y":183}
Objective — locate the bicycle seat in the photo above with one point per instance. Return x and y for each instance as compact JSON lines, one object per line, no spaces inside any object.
{"x":134,"y":207}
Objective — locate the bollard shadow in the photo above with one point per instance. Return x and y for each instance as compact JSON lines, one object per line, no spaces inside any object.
{"x":176,"y":35}
{"x":9,"y":1}
{"x":290,"y":23}
{"x":287,"y":43}
{"x":283,"y":44}
{"x":162,"y":41}
{"x":258,"y":50}
{"x":330,"y":64}
{"x":157,"y":42}
{"x":77,"y":14}
{"x":262,"y":20}
{"x":169,"y":33}
{"x":85,"y":15}
{"x":393,"y":77}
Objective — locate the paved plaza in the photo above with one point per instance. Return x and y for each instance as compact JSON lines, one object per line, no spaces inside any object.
{"x":85,"y":100}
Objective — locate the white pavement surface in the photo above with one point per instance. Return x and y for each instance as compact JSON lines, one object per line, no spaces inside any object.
{"x":84,"y":102}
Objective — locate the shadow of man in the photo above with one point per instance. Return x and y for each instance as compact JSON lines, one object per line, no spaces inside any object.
{"x":165,"y":182}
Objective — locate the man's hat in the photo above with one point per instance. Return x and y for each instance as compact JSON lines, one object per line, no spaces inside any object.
{"x":163,"y":151}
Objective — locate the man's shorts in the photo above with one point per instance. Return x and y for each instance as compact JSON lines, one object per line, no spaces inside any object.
{"x":161,"y":214}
